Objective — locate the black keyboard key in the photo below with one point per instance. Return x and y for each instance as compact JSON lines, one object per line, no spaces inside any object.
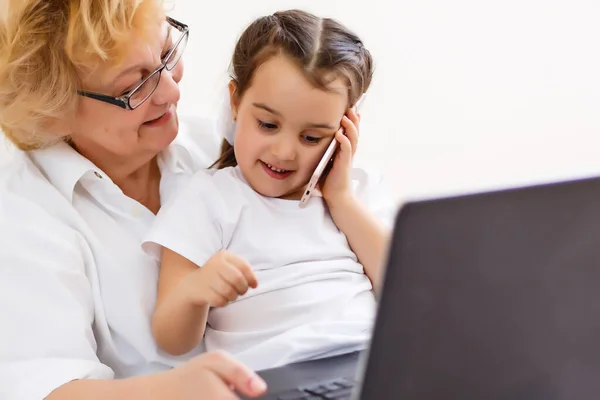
{"x":331,"y":386}
{"x":341,"y":394}
{"x":295,"y":395}
{"x":338,"y":389}
{"x":317,"y":389}
{"x":345,"y":383}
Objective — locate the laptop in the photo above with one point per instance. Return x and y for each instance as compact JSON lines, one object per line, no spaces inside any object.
{"x":486,"y":296}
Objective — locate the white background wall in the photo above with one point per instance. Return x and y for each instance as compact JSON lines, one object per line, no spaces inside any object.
{"x":467,"y":95}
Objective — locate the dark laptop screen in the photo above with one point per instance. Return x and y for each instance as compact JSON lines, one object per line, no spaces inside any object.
{"x":492,"y":296}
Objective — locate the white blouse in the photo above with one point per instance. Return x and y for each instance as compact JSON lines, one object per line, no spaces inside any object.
{"x":76,"y":289}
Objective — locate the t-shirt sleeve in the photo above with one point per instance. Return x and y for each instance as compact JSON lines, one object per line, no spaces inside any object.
{"x":189,"y":223}
{"x":372,"y":189}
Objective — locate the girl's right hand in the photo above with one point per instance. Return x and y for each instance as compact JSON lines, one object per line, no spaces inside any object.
{"x":222,"y":279}
{"x":213,"y":375}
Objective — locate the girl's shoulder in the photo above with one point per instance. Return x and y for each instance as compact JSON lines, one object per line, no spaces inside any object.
{"x":372,"y":189}
{"x":366,"y":181}
{"x":223,"y":190}
{"x":226,"y":181}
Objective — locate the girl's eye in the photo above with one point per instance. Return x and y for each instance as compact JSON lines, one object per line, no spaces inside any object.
{"x":266,"y":125}
{"x":311,"y":139}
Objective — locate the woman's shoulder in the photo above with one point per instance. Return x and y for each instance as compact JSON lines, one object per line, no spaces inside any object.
{"x":21,"y":179}
{"x":26,"y":195}
{"x":33,"y":213}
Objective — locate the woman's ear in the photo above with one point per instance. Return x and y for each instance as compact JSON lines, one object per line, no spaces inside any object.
{"x":233,"y":98}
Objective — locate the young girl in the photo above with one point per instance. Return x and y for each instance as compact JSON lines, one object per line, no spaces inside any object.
{"x":242,"y":265}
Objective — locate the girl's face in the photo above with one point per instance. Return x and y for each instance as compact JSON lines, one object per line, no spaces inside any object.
{"x":284,"y":125}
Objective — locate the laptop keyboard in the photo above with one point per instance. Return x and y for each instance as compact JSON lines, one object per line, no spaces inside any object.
{"x":337,"y":389}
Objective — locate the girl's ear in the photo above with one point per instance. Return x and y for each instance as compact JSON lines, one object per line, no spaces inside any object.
{"x":233,"y":98}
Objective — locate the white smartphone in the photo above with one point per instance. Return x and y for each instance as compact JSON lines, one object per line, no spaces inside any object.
{"x":324,"y":163}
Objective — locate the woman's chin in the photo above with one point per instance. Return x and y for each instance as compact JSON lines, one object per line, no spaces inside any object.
{"x":160,"y":139}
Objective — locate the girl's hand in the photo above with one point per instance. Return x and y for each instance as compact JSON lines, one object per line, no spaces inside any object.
{"x":337,"y":184}
{"x":221,"y":280}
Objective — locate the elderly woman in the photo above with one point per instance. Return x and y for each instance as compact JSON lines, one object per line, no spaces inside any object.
{"x":88,"y":93}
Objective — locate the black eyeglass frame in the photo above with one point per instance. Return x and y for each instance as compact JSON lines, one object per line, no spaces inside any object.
{"x":124,"y":101}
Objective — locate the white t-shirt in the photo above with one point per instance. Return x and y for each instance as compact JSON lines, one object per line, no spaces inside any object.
{"x":313,"y":298}
{"x":76,"y":289}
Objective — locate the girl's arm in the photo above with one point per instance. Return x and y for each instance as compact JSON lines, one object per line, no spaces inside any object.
{"x":179,"y":317}
{"x":186,"y":293}
{"x":367,"y":237}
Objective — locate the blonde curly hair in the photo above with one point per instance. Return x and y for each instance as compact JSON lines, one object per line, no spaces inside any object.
{"x":45,"y":45}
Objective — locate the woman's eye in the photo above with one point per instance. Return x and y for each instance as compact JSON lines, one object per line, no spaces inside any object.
{"x":126,"y":91}
{"x":311,"y":139}
{"x":128,"y":88}
{"x":266,"y":125}
{"x":164,"y":55}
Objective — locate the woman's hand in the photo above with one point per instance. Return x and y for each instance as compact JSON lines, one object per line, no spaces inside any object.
{"x":214,"y":375}
{"x":337,"y":184}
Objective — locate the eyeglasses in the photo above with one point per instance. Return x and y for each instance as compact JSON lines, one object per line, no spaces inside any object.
{"x":134,"y":98}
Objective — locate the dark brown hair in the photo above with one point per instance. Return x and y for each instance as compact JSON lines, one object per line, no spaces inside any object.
{"x":320,"y":46}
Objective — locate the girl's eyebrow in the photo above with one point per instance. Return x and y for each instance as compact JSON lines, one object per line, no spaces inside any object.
{"x":266,"y":108}
{"x":275,"y":112}
{"x":323,"y":126}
